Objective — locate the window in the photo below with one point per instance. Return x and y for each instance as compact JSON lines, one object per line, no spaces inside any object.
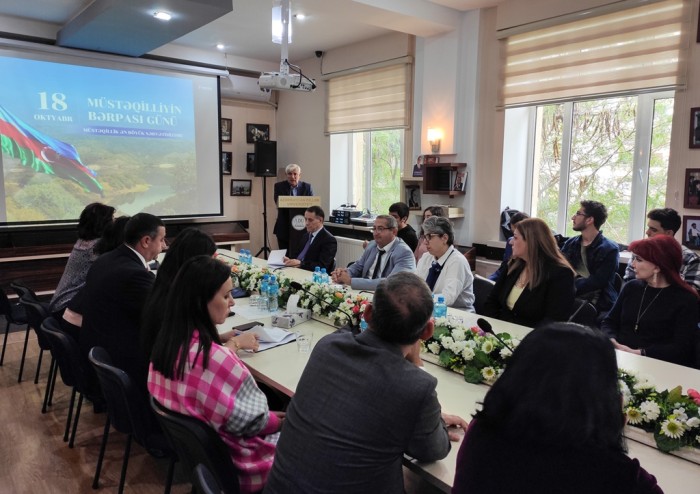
{"x":366,"y":169}
{"x":613,"y":150}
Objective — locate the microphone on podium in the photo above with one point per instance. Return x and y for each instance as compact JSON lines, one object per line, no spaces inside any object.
{"x":349,"y":326}
{"x":486,"y":327}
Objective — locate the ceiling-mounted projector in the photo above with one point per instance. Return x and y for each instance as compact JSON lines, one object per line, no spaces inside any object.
{"x":285,"y":82}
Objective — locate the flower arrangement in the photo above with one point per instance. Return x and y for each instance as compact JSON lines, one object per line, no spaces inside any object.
{"x":670,"y":415}
{"x":249,"y":276}
{"x":338,"y":302}
{"x":470,"y":351}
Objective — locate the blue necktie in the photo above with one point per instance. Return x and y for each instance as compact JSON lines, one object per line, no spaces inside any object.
{"x":433,"y":275}
{"x":303,"y":252}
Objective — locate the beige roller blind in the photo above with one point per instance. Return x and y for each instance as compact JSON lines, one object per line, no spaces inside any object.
{"x":375,"y":99}
{"x":642,"y":48}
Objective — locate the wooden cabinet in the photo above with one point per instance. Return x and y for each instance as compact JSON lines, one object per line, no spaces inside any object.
{"x":445,"y":178}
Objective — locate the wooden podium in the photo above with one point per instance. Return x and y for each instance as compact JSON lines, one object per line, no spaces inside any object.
{"x":291,"y":209}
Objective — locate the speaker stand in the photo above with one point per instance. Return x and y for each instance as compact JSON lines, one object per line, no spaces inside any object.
{"x":265,"y":249}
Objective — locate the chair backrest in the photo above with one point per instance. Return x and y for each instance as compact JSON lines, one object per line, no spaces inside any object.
{"x":124,"y":404}
{"x":204,"y":481}
{"x":196,"y":442}
{"x":618,"y":282}
{"x":584,"y":313}
{"x":23,"y":290}
{"x":36,"y":313}
{"x":67,"y":354}
{"x":482,"y":288}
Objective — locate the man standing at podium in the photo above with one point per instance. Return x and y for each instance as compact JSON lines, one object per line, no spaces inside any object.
{"x":290,"y":187}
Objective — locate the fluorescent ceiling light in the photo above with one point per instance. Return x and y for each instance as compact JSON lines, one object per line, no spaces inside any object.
{"x":163,"y":16}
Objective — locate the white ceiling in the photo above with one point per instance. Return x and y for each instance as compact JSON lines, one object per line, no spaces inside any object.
{"x":246,"y":30}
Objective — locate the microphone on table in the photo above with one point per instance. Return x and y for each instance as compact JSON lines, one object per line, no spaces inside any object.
{"x":221,"y":254}
{"x":485,"y":326}
{"x":349,"y":326}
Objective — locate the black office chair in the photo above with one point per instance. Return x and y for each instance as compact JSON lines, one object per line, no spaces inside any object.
{"x":23,"y":290}
{"x":126,"y":413}
{"x":196,"y":442}
{"x":482,"y":287}
{"x":14,"y":314}
{"x":72,"y":365}
{"x":618,"y":282}
{"x":584,"y":313}
{"x":204,"y":481}
{"x":36,"y":313}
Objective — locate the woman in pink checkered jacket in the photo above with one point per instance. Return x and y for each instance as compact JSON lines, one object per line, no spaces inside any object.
{"x":212,"y":383}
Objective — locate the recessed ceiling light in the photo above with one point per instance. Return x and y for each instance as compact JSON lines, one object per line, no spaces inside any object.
{"x":220,"y":46}
{"x":301,"y":17}
{"x":163,"y":16}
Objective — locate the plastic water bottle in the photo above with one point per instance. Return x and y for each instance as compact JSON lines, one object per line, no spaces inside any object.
{"x":317,"y":275}
{"x":263,"y":301}
{"x":440,"y":308}
{"x":248,"y":257}
{"x":363,"y":324}
{"x":324,"y":276}
{"x":273,"y":291}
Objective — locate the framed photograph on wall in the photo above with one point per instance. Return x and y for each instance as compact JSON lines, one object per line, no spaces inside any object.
{"x":691,"y":198}
{"x":256,"y":132}
{"x":691,"y":232}
{"x":250,"y":162}
{"x":226,"y":129}
{"x":226,"y":163}
{"x":413,"y":197}
{"x":695,"y":127}
{"x":241,"y":187}
{"x":460,"y":181}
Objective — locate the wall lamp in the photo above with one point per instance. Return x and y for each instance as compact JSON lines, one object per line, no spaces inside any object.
{"x":434,"y":138}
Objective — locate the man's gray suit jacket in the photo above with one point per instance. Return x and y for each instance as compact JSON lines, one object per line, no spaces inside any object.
{"x":399,"y":258}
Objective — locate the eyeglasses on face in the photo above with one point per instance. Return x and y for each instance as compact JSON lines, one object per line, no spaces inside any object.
{"x":429,"y":236}
{"x":580,"y":213}
{"x":380,"y":229}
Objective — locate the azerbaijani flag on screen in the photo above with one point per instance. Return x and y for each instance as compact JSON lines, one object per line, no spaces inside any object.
{"x":44,"y":153}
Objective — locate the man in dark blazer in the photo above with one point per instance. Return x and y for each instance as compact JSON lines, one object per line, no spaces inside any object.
{"x":290,"y":187}
{"x":385,"y":255}
{"x":363,"y":402}
{"x":317,"y":247}
{"x":116,"y":288}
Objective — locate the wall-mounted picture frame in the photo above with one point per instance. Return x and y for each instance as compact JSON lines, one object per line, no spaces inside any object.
{"x":691,"y":198}
{"x":413,"y":198}
{"x":695,"y":127}
{"x":226,"y":157}
{"x":691,"y":232}
{"x":256,"y":132}
{"x":241,"y":187}
{"x":226,"y":124}
{"x":459,"y":181}
{"x":250,"y":162}
{"x":431,"y":159}
{"x":418,"y":167}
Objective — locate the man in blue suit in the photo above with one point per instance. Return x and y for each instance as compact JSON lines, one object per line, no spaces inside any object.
{"x":317,"y":247}
{"x":290,"y":187}
{"x":385,"y":255}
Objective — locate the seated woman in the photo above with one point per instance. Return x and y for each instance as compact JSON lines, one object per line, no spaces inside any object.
{"x":539,"y":284}
{"x":193,"y":373}
{"x":422,"y":247}
{"x":190,"y":242}
{"x":656,"y":314}
{"x":552,"y":434}
{"x":508,"y":253}
{"x":92,"y":223}
{"x":444,"y":268}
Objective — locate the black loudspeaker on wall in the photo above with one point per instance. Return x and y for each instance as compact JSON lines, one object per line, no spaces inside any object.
{"x":266,"y":158}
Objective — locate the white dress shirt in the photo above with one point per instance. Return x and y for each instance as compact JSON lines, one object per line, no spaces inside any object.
{"x":455,"y":281}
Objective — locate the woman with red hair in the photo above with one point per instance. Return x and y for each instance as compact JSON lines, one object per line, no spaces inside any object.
{"x":657,"y":313}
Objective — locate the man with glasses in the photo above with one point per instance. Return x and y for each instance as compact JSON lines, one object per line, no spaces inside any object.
{"x":384,"y":255}
{"x":317,"y":247}
{"x":594,"y":257}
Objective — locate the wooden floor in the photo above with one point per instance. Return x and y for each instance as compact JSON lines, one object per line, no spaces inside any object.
{"x":34,"y":458}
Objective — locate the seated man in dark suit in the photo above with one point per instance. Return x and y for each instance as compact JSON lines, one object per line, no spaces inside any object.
{"x":317,"y":247}
{"x":116,"y":289}
{"x":384,"y":255}
{"x":290,"y":187}
{"x":363,"y":402}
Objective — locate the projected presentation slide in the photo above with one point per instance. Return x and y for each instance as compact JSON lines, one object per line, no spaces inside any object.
{"x":73,"y":134}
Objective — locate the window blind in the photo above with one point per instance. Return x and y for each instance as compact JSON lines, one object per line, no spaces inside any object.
{"x":376,"y":99}
{"x":641,"y":48}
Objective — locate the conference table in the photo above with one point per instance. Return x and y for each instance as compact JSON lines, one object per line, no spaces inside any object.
{"x":281,"y":368}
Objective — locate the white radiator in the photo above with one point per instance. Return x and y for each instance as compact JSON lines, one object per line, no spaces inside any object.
{"x":349,"y":250}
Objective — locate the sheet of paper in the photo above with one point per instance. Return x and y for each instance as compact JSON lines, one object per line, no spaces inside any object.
{"x":271,"y":337}
{"x":276,"y":258}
